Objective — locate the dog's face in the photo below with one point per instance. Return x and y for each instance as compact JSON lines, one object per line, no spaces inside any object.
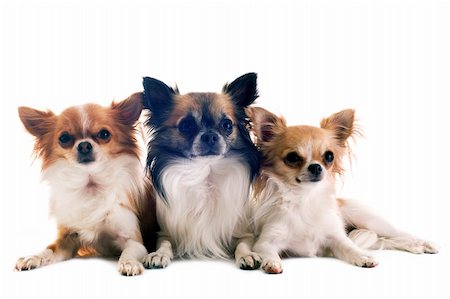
{"x":302,"y":155}
{"x":84,"y":135}
{"x":199,"y":124}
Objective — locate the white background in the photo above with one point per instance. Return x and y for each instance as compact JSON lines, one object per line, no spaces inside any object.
{"x":388,"y":60}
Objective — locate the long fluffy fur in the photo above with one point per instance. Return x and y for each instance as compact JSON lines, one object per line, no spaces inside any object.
{"x":201,"y":197}
{"x":296,"y":212}
{"x":118,"y":192}
{"x":204,"y":198}
{"x":104,"y":206}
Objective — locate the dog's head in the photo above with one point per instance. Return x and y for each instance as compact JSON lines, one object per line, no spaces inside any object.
{"x":199,"y":124}
{"x":302,"y":155}
{"x":84,"y":135}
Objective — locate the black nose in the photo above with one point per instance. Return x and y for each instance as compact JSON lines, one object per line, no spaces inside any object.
{"x":84,"y":148}
{"x":315,"y":169}
{"x":209,"y":138}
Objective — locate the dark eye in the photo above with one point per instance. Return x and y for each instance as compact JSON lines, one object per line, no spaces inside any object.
{"x":103,"y":134}
{"x":328,"y":156}
{"x":65,"y":139}
{"x":187,"y":126}
{"x":226,"y":125}
{"x":293,"y":159}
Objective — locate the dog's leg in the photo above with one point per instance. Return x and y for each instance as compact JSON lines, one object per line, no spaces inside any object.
{"x":344,"y":249}
{"x":388,"y":237}
{"x":162,"y":257}
{"x":64,"y":248}
{"x":130,"y":261}
{"x":245,"y":258}
{"x":404,"y":242}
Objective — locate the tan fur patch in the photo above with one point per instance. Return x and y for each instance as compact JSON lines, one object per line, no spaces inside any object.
{"x":340,"y":202}
{"x":66,"y":243}
{"x":192,"y":102}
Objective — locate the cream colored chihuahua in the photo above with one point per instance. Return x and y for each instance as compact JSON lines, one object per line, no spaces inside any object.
{"x":295,"y":209}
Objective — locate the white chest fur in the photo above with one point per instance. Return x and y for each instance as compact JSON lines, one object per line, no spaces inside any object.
{"x":301,"y":221}
{"x":205,"y":200}
{"x":95,"y":197}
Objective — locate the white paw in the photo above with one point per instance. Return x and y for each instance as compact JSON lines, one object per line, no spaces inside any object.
{"x":419,"y":246}
{"x":249,"y":262}
{"x":29,"y":263}
{"x":365,"y":261}
{"x":430,"y":247}
{"x":156,"y":260}
{"x":35,"y":261}
{"x":272,"y":266}
{"x":130,"y":267}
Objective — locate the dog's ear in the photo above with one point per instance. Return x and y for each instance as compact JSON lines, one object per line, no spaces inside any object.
{"x":342,"y":125}
{"x":265,"y":124}
{"x":243,"y":90}
{"x":37,"y":122}
{"x":129,"y":110}
{"x":157,"y":96}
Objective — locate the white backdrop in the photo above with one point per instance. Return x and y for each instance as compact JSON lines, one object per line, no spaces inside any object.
{"x":388,"y":60}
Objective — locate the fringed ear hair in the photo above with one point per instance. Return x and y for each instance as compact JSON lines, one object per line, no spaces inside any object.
{"x":157,"y":95}
{"x":158,"y":98}
{"x":265,"y":124}
{"x":341,"y":124}
{"x":128,"y":111}
{"x":37,"y":122}
{"x":243,"y":90}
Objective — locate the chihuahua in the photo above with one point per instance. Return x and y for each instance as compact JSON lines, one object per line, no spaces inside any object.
{"x":100,"y":198}
{"x":295,"y":209}
{"x":202,"y":163}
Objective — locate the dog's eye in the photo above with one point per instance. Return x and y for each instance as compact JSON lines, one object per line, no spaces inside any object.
{"x":103,"y":134}
{"x":328,"y":157}
{"x":187,"y":126}
{"x":227,"y":126}
{"x":65,"y":140}
{"x":293,"y":159}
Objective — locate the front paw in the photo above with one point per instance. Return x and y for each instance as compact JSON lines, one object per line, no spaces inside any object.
{"x":249,"y":262}
{"x":364,"y":261}
{"x":272,"y":266}
{"x":29,"y":263}
{"x":156,"y":260}
{"x":35,"y":261}
{"x":130,"y":267}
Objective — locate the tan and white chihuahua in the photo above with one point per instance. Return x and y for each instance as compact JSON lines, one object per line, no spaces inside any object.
{"x":295,"y":209}
{"x":100,"y":198}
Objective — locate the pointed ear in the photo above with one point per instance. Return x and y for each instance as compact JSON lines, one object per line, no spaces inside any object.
{"x":265,"y":124}
{"x":37,"y":122}
{"x":157,"y":95}
{"x":243,"y":90}
{"x":342,"y":125}
{"x":129,"y":110}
